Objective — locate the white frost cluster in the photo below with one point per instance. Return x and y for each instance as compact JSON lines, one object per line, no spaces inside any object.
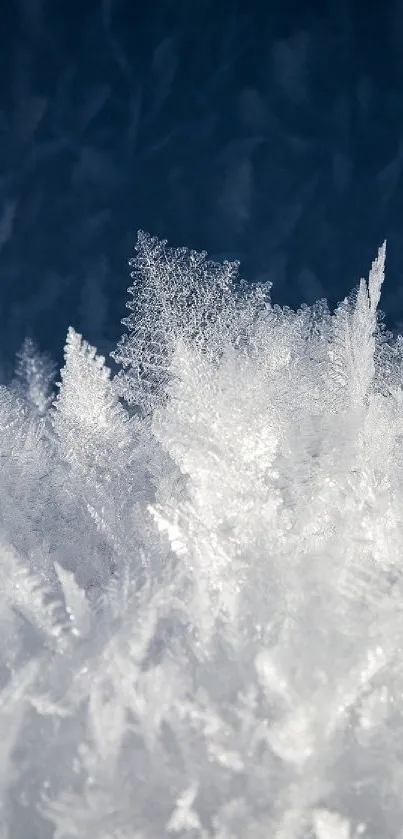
{"x":201,"y":597}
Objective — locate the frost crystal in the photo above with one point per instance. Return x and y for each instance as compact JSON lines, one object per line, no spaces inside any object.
{"x":200,"y":604}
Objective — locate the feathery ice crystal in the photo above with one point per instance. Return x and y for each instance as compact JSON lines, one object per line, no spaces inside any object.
{"x":201,"y":591}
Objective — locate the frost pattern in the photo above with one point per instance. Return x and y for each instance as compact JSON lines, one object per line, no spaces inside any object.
{"x":201,"y":598}
{"x":176,"y":292}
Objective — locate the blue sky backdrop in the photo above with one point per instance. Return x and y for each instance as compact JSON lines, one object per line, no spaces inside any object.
{"x":268,"y":132}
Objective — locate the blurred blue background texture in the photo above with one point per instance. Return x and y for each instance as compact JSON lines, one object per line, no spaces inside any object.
{"x":270,"y":132}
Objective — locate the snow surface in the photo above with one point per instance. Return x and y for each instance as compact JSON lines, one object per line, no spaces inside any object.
{"x":201,"y":595}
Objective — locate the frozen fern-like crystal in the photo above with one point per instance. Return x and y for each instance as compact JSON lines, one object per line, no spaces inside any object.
{"x":92,"y":426}
{"x":352,"y":349}
{"x":175,"y":292}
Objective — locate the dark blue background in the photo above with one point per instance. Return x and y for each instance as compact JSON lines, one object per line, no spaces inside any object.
{"x":270,"y":132}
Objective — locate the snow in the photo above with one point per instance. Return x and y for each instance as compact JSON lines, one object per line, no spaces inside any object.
{"x":200,"y":604}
